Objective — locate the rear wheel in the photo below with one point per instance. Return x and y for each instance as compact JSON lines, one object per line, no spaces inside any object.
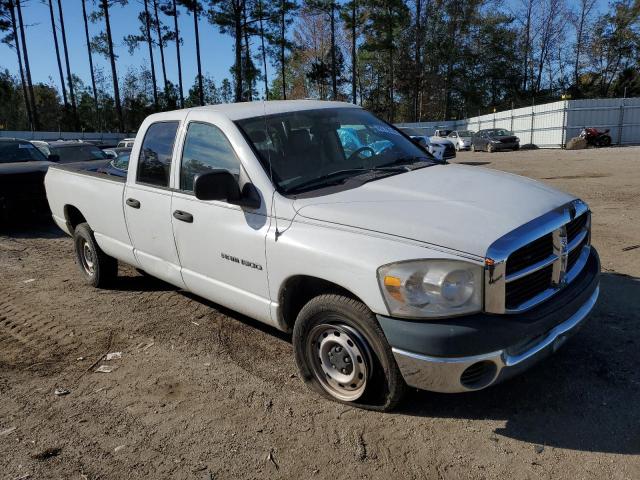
{"x":342,"y":354}
{"x":98,"y":268}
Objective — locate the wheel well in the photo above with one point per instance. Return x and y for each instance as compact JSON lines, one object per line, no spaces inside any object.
{"x":73,"y":217}
{"x":298,"y":290}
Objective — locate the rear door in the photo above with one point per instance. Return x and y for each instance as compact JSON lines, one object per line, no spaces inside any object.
{"x":221,"y":246}
{"x":147,"y":204}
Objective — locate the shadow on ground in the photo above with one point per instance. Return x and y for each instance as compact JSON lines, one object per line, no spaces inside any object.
{"x":583,"y":398}
{"x":32,"y":226}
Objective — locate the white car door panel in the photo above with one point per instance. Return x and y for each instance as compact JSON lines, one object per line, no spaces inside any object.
{"x":221,"y":247}
{"x":147,"y":205}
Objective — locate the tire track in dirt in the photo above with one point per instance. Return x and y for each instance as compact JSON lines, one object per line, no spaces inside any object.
{"x":28,"y":335}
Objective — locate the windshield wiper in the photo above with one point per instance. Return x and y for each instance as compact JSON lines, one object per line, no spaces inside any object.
{"x":329,"y":178}
{"x":410,"y":160}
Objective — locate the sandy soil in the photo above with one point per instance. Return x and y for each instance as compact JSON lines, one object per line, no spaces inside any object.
{"x":201,"y":392}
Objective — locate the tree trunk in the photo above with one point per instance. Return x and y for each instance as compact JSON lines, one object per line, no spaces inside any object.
{"x":247,"y":56}
{"x":55,"y":43}
{"x":237,"y":68}
{"x":418,"y":63}
{"x":32,"y":97}
{"x":93,"y":76}
{"x":334,"y":73}
{"x":391,"y":69}
{"x":147,"y":25}
{"x":354,"y":58}
{"x":112,"y":59}
{"x":14,"y":27}
{"x":195,"y":27}
{"x":264,"y":53}
{"x":161,"y":45}
{"x":175,"y":23}
{"x":283,"y":31}
{"x":69,"y":77}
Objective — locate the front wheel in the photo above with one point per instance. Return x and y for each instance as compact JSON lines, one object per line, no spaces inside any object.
{"x":98,"y":268}
{"x":473,"y":147}
{"x":341,"y":353}
{"x":490,"y":148}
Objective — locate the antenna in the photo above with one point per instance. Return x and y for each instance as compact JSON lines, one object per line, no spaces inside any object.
{"x":273,"y":195}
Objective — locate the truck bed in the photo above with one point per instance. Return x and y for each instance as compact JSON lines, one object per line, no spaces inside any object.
{"x":76,"y":193}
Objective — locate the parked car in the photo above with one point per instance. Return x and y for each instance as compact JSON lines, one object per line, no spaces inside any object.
{"x":70,"y":151}
{"x":461,"y":139}
{"x":22,"y":170}
{"x":118,"y":166}
{"x":441,"y":132}
{"x":389,"y":269}
{"x":494,"y":139}
{"x":125,"y":143}
{"x":439,"y":148}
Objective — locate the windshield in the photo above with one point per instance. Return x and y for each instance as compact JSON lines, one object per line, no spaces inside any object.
{"x":298,"y":148}
{"x":122,"y":162}
{"x":78,"y":153}
{"x":412,"y":132}
{"x":18,"y":151}
{"x":500,"y":133}
{"x":466,"y":133}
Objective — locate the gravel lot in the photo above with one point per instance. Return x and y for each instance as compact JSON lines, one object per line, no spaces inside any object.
{"x":201,"y":392}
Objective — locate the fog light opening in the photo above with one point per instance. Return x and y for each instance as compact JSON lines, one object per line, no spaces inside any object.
{"x":478,"y":375}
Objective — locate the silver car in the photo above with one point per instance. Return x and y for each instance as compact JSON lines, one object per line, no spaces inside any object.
{"x":461,"y":139}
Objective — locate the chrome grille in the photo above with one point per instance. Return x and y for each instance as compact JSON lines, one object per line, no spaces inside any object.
{"x":530,"y":264}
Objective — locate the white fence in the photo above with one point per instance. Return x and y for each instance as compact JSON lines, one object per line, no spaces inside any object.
{"x":51,"y":136}
{"x":551,"y":125}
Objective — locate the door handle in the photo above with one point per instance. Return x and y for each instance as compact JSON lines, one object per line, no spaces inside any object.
{"x":183,"y":216}
{"x":132,"y":202}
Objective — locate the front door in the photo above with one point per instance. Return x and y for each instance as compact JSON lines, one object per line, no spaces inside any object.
{"x":147,"y":205}
{"x":221,"y":246}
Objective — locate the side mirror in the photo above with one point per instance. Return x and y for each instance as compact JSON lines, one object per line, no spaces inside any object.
{"x":222,"y":185}
{"x":52,"y":157}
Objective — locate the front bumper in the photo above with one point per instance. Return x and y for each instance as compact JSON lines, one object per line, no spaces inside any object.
{"x":451,"y":356}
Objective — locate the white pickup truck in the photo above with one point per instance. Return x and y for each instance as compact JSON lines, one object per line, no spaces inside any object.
{"x":389,"y":267}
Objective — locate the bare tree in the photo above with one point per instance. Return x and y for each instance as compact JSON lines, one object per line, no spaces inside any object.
{"x":580,"y":18}
{"x":93,"y":76}
{"x":55,"y":43}
{"x":66,"y":59}
{"x":32,"y":97}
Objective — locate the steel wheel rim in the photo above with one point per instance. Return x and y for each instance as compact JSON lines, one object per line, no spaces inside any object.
{"x":87,"y":257}
{"x":340,"y":360}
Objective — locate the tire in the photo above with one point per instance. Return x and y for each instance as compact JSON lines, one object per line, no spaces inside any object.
{"x":490,"y":148}
{"x":98,"y":269}
{"x":473,"y":147}
{"x":605,"y":141}
{"x":335,"y":328}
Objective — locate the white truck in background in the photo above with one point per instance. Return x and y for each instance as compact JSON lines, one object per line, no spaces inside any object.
{"x":390,"y":268}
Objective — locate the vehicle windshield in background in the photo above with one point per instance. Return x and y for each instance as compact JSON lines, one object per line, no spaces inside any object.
{"x":77,"y":153}
{"x":17,"y":151}
{"x":122,"y":162}
{"x":311,"y":149}
{"x":466,"y":133}
{"x":500,"y":133}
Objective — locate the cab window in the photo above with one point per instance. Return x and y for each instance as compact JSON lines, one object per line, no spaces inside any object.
{"x":206,"y":148}
{"x":154,"y":162}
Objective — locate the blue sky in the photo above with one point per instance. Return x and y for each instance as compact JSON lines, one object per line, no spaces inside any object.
{"x":216,"y":49}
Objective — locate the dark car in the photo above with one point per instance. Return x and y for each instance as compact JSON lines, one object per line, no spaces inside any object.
{"x":22,"y":171}
{"x":494,"y":139}
{"x":118,"y":166}
{"x":72,"y":152}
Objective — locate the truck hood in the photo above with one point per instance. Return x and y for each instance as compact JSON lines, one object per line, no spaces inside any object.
{"x":459,"y":207}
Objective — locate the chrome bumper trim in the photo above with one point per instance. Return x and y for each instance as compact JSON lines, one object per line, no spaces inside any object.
{"x":442,"y":374}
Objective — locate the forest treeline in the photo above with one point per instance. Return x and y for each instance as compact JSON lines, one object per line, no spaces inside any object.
{"x":406,"y":60}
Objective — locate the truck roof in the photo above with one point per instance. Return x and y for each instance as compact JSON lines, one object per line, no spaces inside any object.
{"x":238,"y":111}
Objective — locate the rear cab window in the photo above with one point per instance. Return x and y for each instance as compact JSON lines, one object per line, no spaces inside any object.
{"x":154,"y":161}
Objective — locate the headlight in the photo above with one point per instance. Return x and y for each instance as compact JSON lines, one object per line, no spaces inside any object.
{"x":517,"y":139}
{"x":431,"y":288}
{"x":495,"y":141}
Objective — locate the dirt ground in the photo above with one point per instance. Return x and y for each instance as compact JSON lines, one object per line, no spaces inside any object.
{"x":203,"y":393}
